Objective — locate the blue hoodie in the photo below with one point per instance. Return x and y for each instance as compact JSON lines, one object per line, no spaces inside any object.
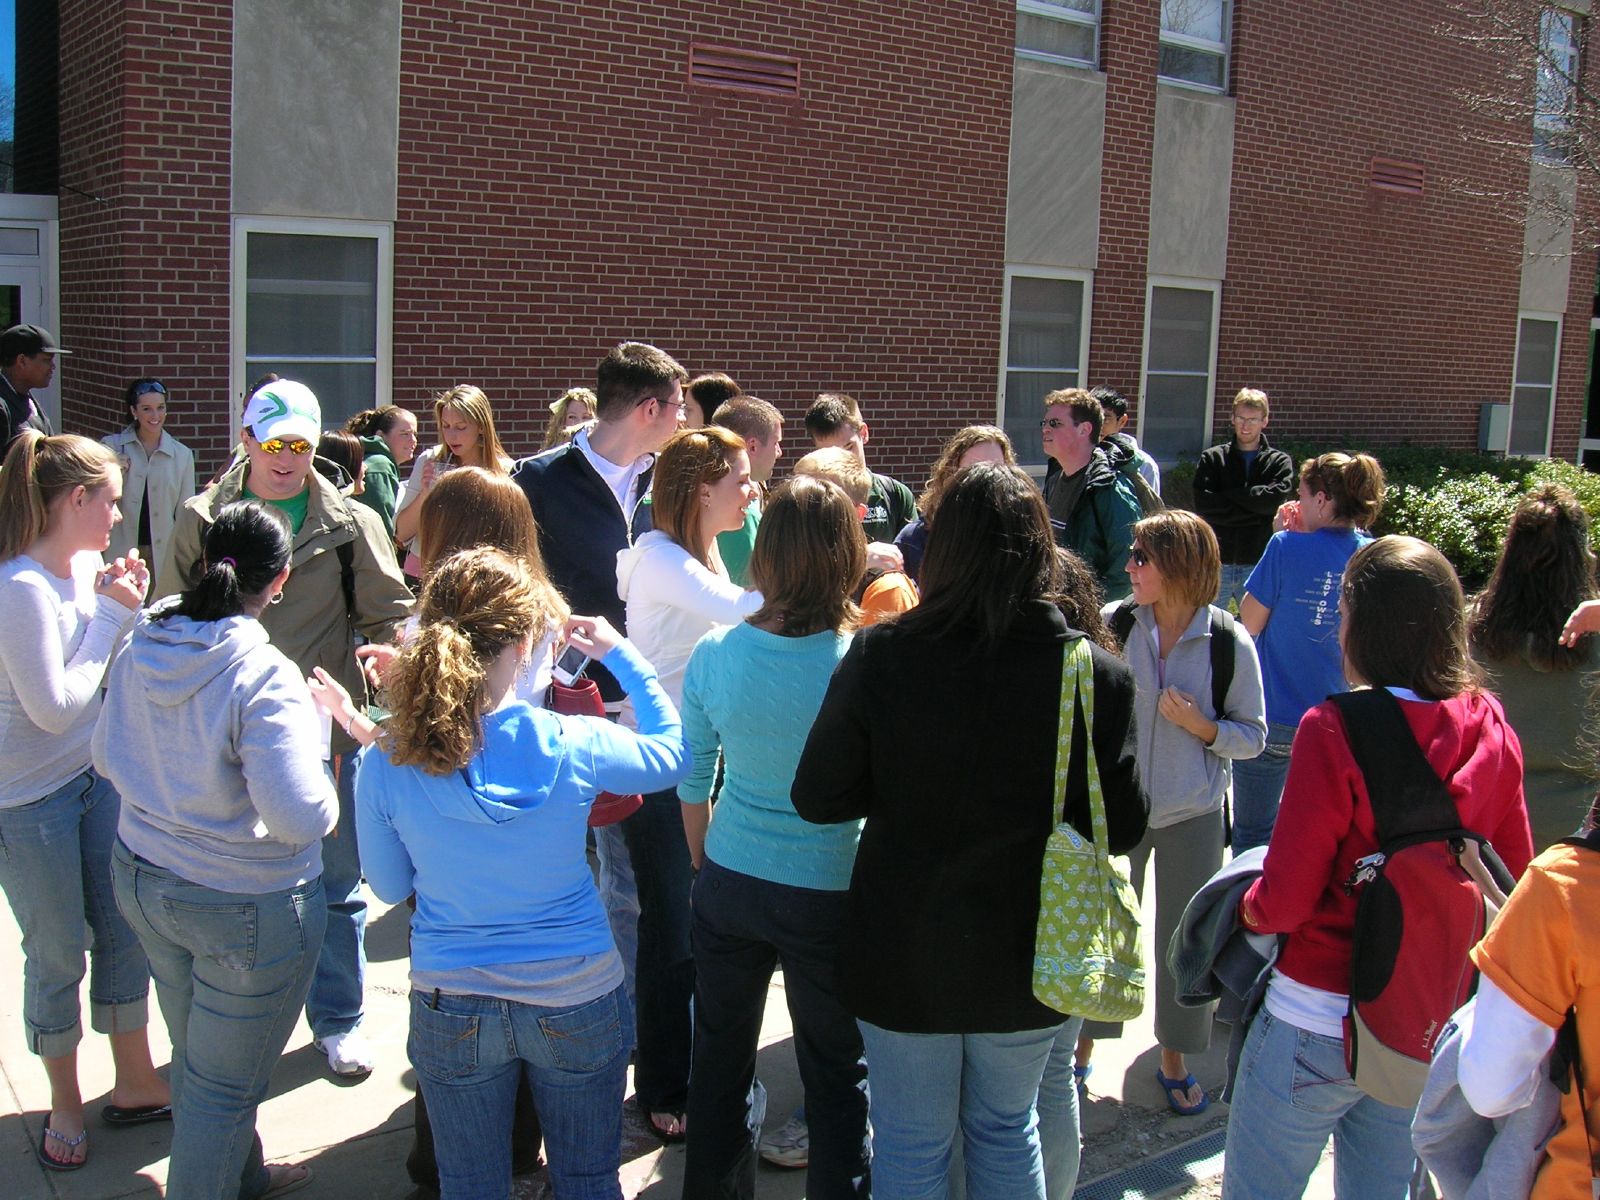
{"x":495,"y":851}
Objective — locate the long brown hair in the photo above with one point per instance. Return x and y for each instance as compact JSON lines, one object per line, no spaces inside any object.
{"x":948,"y":463}
{"x":474,"y":605}
{"x":810,"y":554}
{"x":38,"y":470}
{"x":1545,"y":571}
{"x":690,"y":458}
{"x":990,"y":550}
{"x":1405,"y":622}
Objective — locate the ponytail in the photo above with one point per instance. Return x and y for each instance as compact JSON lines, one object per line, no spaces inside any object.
{"x":245,"y":549}
{"x":38,"y":469}
{"x":1355,"y":483}
{"x":374,"y":422}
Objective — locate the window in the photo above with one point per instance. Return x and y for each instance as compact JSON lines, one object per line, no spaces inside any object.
{"x":1059,"y":30}
{"x":1533,"y":387}
{"x":1194,"y":42}
{"x":1047,"y":343}
{"x":1180,"y":364}
{"x":312,"y":302}
{"x":1555,"y":86}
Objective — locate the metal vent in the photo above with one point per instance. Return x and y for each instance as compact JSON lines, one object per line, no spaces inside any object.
{"x":1394,"y":175}
{"x":744,"y":70}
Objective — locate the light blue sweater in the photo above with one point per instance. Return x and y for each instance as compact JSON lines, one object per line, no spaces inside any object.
{"x":495,"y":851}
{"x":755,"y":695}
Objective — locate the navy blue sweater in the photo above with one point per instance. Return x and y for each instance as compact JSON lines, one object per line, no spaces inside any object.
{"x":581,"y":528}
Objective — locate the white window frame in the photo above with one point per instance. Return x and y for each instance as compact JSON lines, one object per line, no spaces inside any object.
{"x":1055,"y":12}
{"x":1030,"y":272}
{"x":1222,"y":49}
{"x":382,"y":232}
{"x":1214,"y":286}
{"x":1557,"y":125}
{"x":1548,"y":318}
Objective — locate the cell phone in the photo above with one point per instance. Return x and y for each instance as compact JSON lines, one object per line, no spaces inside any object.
{"x":571,"y":666}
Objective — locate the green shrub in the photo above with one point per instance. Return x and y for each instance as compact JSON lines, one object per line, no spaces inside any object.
{"x":1459,"y":500}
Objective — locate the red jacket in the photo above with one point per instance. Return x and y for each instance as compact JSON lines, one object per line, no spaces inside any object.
{"x":1325,"y":824}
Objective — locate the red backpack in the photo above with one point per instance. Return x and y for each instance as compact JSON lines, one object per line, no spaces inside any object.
{"x":1427,"y":897}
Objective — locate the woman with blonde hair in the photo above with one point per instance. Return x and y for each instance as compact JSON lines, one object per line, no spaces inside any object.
{"x":479,"y":805}
{"x":1291,"y":608}
{"x":771,"y":888}
{"x":574,"y":409}
{"x":466,"y":439}
{"x":65,"y":611}
{"x":676,"y":591}
{"x":974,"y":444}
{"x":1546,"y":569}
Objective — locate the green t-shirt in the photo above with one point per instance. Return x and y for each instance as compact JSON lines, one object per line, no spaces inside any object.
{"x":295,"y":508}
{"x":735,"y":547}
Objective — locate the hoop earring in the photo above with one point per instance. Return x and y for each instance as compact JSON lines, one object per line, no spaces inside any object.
{"x":277,"y":598}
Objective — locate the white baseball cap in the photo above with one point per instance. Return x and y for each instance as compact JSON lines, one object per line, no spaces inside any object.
{"x":284,"y":409}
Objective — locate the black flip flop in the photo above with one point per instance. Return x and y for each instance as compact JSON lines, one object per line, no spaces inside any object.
{"x":141,"y":1114}
{"x":50,"y":1164}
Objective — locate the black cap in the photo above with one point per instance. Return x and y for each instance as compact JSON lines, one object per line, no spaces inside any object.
{"x":27,"y":339}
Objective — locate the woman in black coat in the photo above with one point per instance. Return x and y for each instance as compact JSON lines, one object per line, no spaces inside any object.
{"x":940,"y":729}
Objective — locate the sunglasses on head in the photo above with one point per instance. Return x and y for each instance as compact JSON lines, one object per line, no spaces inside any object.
{"x":1138,"y":557}
{"x":148,"y":386}
{"x":294,"y":446}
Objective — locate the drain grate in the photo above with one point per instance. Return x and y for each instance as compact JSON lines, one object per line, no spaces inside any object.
{"x":1179,"y":1167}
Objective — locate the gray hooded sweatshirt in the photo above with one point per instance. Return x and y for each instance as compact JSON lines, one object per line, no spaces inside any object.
{"x":211,"y":737}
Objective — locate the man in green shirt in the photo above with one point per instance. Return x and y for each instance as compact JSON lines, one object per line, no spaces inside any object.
{"x":760,"y":424}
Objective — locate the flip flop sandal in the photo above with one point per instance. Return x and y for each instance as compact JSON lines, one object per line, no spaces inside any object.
{"x":143,"y":1114}
{"x":667,"y":1135}
{"x":1169,"y":1086}
{"x":1080,"y":1076}
{"x":291,"y":1177}
{"x":45,"y":1138}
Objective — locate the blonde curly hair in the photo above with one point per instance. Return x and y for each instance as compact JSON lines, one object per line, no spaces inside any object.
{"x":474,"y":605}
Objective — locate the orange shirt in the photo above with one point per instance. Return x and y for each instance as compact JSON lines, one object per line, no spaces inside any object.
{"x":1543,"y":951}
{"x":888,"y":594}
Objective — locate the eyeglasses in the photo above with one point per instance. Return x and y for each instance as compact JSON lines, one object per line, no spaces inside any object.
{"x":1138,"y":557}
{"x":1241,"y":419}
{"x":1053,"y":423}
{"x":278,"y":446}
{"x":148,"y":386}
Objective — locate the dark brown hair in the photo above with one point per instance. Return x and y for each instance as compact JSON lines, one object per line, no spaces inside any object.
{"x":1405,"y":622}
{"x":810,"y":554}
{"x":1545,"y":571}
{"x":1080,"y":599}
{"x":990,"y":550}
{"x":630,"y":373}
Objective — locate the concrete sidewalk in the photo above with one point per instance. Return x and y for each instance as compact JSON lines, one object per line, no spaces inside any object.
{"x":356,"y":1135}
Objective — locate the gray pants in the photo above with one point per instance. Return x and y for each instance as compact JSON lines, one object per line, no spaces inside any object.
{"x":1186,"y":856}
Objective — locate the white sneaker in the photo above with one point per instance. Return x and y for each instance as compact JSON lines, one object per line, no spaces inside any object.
{"x":348,"y":1053}
{"x":790,"y":1146}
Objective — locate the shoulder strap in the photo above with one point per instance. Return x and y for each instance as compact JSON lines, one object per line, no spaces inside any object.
{"x":347,"y":573}
{"x":1224,"y":652}
{"x":1122,"y":619}
{"x":1077,"y":694}
{"x":1406,"y":793}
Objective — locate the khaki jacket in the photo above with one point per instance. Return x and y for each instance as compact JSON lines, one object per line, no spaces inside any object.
{"x":169,"y":474}
{"x":310,"y":625}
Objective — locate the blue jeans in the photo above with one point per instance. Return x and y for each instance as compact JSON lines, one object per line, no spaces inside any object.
{"x":469,"y":1052}
{"x":664,"y":972}
{"x":1234,"y":576}
{"x":619,"y":894}
{"x":1291,"y":1093}
{"x":231,"y":972}
{"x":55,"y":869}
{"x":745,"y":927}
{"x":927,"y":1086}
{"x":1060,"y":1134}
{"x":334,"y":1003}
{"x":1258,"y":789}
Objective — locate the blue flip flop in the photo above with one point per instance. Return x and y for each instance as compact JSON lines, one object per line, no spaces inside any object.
{"x":1080,"y":1076}
{"x":1169,"y":1086}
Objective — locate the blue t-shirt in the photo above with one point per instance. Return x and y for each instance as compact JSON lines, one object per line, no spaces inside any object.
{"x":1298,"y":578}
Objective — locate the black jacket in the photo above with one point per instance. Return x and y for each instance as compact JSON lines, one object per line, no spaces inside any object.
{"x":581,"y":529}
{"x":949,"y":753}
{"x":1240,"y":508}
{"x":18,"y":412}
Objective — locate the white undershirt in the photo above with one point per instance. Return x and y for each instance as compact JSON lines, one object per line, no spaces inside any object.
{"x":1499,"y":1070}
{"x":621,"y":480}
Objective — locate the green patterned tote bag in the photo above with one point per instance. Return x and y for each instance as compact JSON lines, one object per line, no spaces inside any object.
{"x":1088,"y":960}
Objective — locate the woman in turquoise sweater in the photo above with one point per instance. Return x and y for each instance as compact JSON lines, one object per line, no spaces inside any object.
{"x":479,"y":803}
{"x":771,"y":888}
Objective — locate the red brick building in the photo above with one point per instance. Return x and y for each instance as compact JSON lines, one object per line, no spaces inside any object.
{"x":945,"y":210}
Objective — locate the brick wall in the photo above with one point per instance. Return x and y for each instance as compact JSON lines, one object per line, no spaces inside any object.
{"x":1363,"y":312}
{"x":562,"y":187}
{"x":146,"y":103}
